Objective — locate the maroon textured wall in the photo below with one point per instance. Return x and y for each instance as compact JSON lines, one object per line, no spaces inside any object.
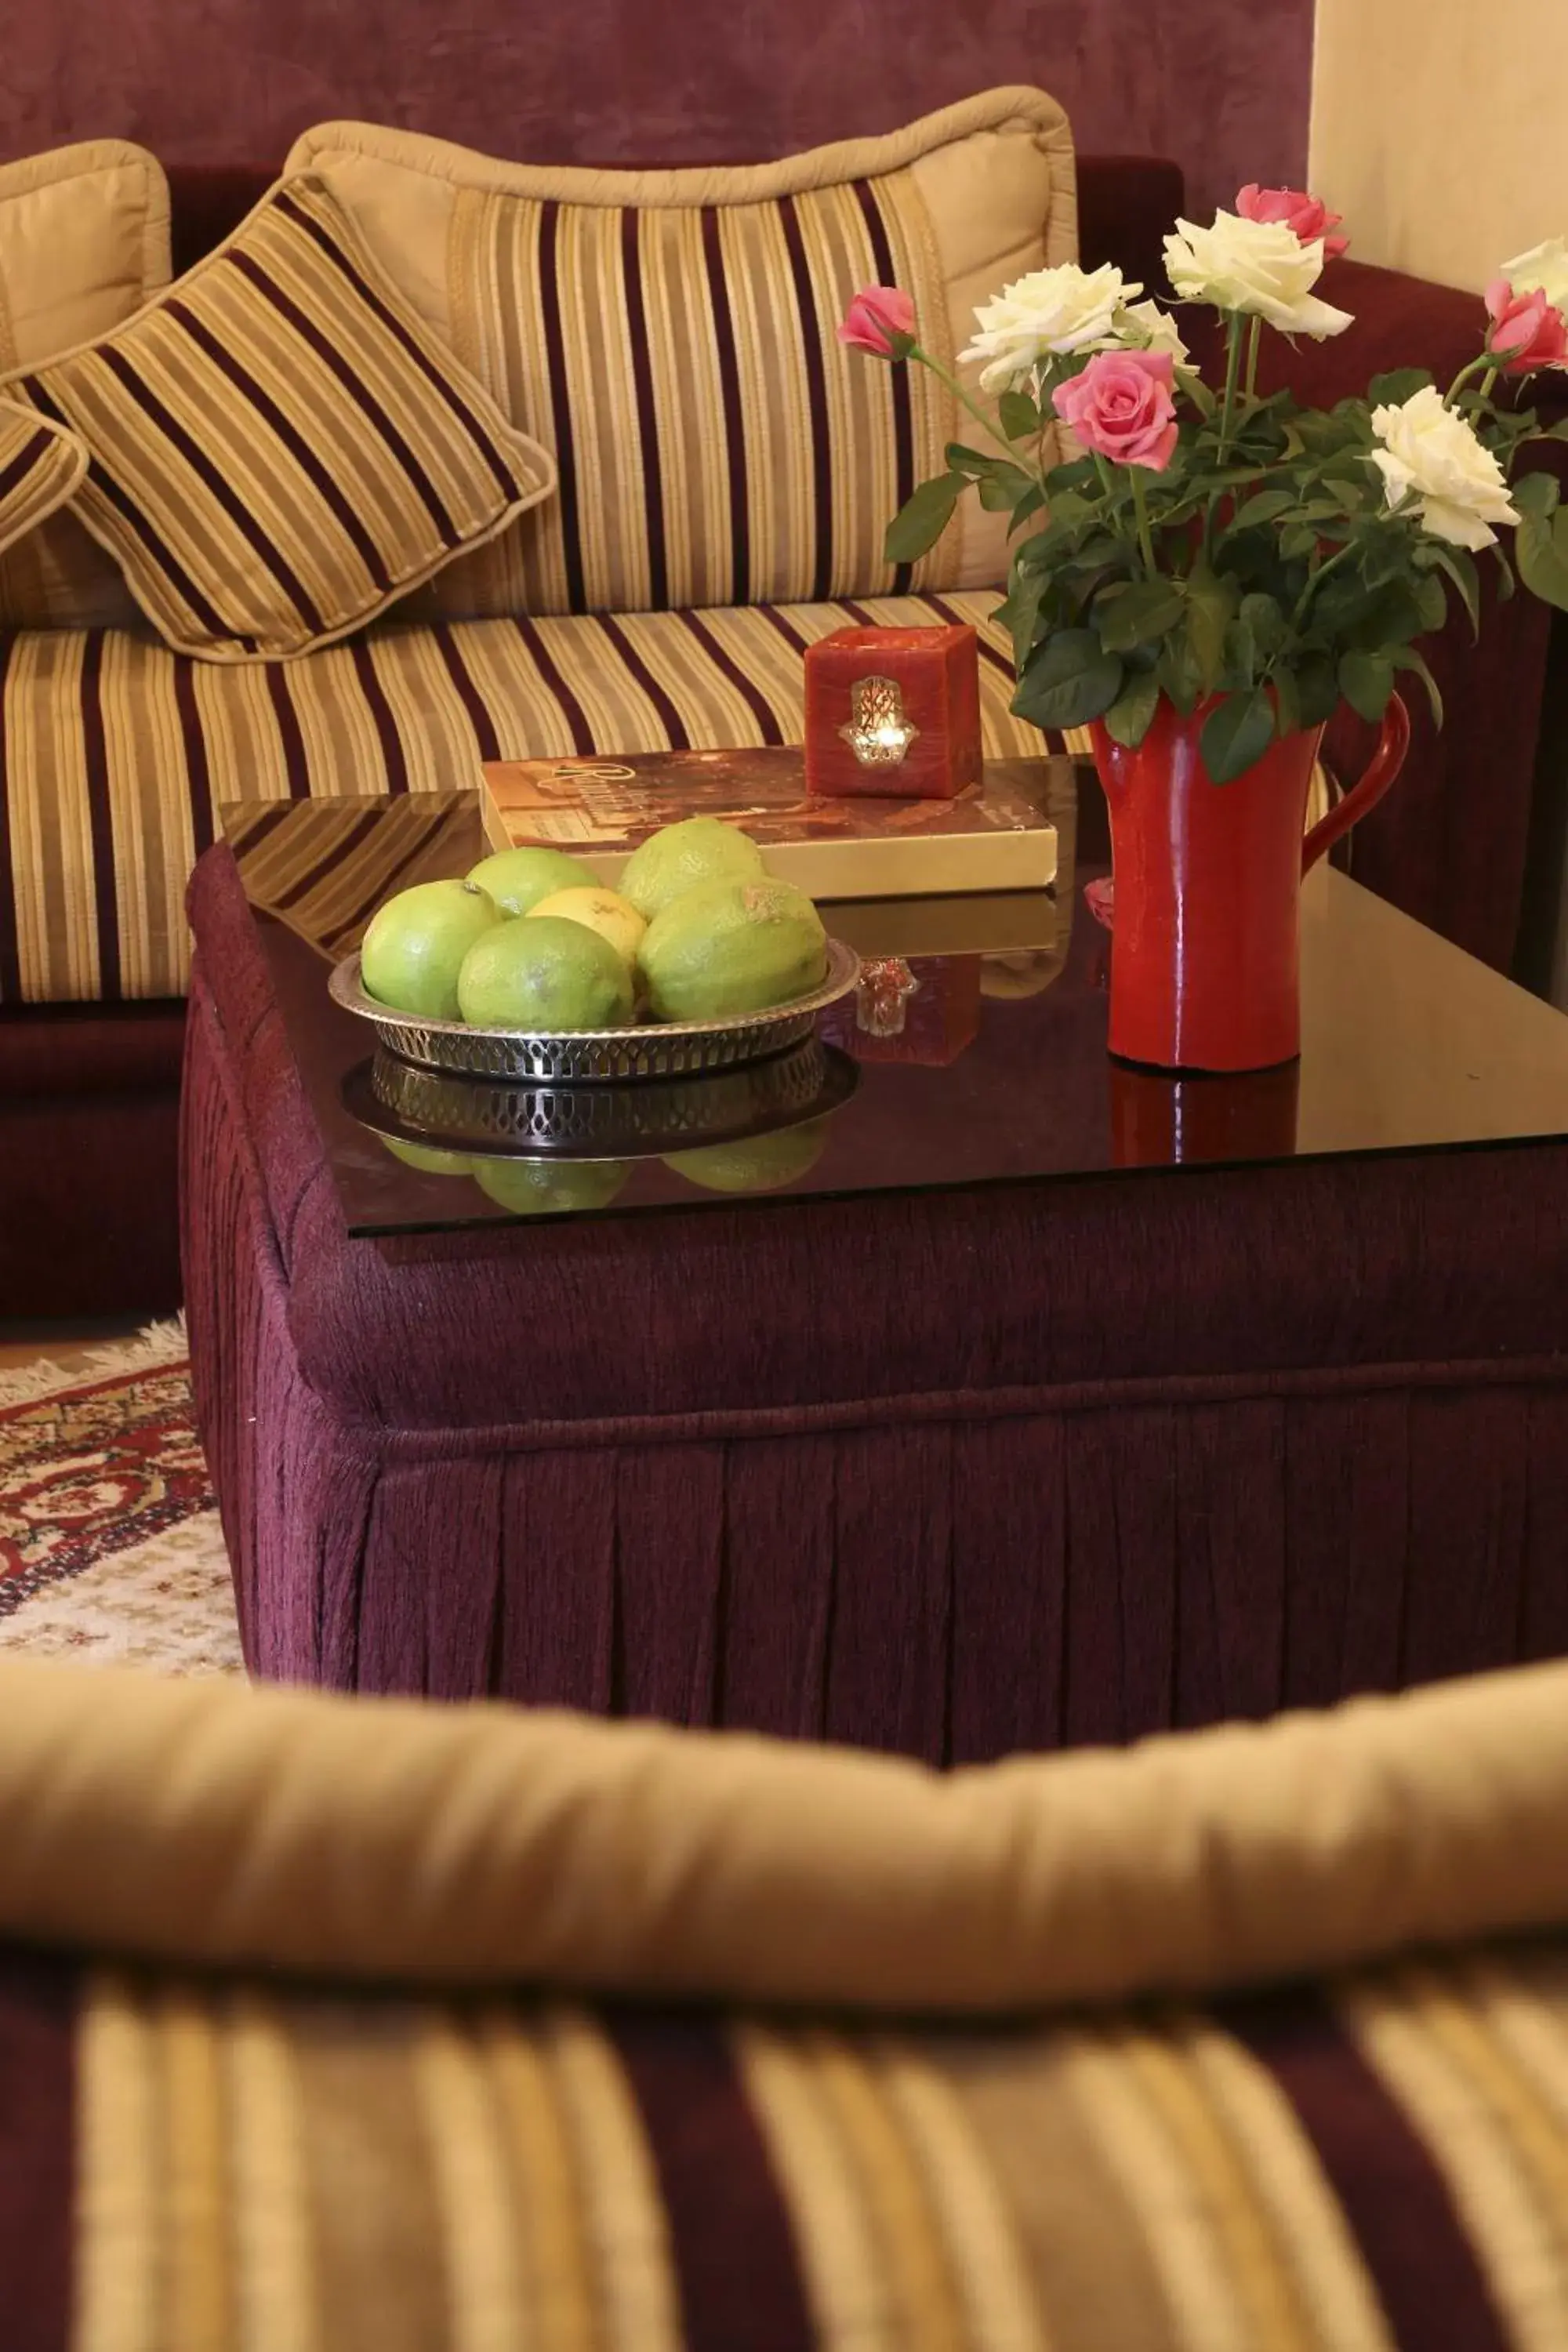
{"x":1222,"y":85}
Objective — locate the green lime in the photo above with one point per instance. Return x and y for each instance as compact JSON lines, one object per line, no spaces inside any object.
{"x":518,"y":878}
{"x":545,"y":974}
{"x":417,"y":943}
{"x":731,"y":948}
{"x":699,"y":849}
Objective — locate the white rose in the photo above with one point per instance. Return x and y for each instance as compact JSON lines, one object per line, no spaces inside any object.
{"x":1156,"y":330}
{"x":1259,"y":266}
{"x":1050,"y":310}
{"x":1544,"y":266}
{"x":1431,"y":453}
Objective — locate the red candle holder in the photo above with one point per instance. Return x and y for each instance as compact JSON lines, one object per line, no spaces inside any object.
{"x":893,"y":714}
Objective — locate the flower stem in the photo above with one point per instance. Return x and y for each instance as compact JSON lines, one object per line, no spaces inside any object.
{"x":1232,"y":372}
{"x":1315,"y":580}
{"x":1140,"y":508}
{"x":963,"y":397}
{"x":1475,"y":368}
{"x":1253,"y":342}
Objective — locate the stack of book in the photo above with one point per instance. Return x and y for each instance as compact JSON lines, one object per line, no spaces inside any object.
{"x":955,"y":877}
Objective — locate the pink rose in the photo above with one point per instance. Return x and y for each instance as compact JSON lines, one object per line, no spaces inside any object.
{"x":875,"y":315}
{"x":1120,"y":407}
{"x":1526,"y":330}
{"x":1308,"y":216}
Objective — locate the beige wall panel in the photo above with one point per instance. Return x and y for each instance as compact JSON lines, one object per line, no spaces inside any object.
{"x":1438,"y":130}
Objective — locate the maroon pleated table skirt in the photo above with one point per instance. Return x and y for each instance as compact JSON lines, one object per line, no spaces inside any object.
{"x":955,"y":1474}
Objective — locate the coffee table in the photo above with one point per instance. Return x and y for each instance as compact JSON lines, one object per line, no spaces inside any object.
{"x":1047,"y":1402}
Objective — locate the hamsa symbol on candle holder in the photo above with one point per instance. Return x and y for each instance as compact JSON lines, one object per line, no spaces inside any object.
{"x":877,"y":732}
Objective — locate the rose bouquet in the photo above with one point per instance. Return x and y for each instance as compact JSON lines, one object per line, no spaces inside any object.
{"x":1234,"y":556}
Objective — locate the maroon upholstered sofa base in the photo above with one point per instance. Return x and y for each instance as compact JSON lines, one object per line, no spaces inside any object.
{"x":951,"y":1474}
{"x":89,"y":1107}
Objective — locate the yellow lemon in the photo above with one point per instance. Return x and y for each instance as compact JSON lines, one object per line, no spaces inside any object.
{"x":602,"y":910}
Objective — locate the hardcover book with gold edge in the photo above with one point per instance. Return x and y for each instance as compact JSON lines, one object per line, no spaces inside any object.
{"x":995,"y":836}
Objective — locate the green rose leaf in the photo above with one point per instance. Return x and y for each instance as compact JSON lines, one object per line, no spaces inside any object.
{"x":1431,"y":603}
{"x":1400,"y":384}
{"x":1002,"y":486}
{"x":1287,"y":703}
{"x":1029,"y":504}
{"x":1264,"y":622}
{"x":1408,"y":658}
{"x":1131,"y":714}
{"x":1536,"y":494}
{"x":1541,"y":546}
{"x":1366,"y":681}
{"x":920,"y":521}
{"x":1069,"y":680}
{"x":1177,"y":671}
{"x":1460,"y":566}
{"x":1067,"y":508}
{"x":1210,"y":604}
{"x":1138,"y":616}
{"x":1019,"y":417}
{"x":1019,"y":614}
{"x":1237,"y":735}
{"x":1267,"y":506}
{"x":1317,"y":690}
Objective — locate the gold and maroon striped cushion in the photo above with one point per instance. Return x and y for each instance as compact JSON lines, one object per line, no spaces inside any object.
{"x":115,"y":752}
{"x":278,"y":446}
{"x":1377,"y":2166}
{"x":670,"y":336}
{"x":84,"y":240}
{"x":41,"y":466}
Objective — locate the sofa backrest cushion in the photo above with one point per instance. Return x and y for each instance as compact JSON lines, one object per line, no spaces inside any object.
{"x":84,"y":239}
{"x":280,"y":449}
{"x":669,"y":335}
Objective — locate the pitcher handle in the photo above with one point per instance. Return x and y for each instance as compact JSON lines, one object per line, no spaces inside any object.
{"x":1385,"y":763}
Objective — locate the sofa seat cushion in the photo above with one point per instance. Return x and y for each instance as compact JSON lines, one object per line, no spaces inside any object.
{"x":116,"y":753}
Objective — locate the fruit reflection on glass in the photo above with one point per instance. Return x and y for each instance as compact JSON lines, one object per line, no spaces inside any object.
{"x":428,"y":1158}
{"x":698,"y":931}
{"x":761,"y":1165}
{"x":543,"y":1188}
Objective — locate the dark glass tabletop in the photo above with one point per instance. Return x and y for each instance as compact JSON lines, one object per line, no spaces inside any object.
{"x":971,"y":1052}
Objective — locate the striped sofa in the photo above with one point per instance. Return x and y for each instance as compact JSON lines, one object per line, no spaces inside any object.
{"x":116,"y":755}
{"x":357,"y":2024}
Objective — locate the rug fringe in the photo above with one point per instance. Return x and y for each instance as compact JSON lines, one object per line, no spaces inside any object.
{"x":158,"y":1343}
{"x":161,"y":1343}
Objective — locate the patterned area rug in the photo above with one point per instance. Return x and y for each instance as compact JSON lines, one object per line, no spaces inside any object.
{"x":111,"y":1550}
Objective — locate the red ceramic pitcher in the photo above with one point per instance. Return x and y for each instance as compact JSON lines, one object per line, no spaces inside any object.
{"x":1205,"y":955}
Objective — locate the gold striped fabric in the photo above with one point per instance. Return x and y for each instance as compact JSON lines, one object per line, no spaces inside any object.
{"x":116,"y":752}
{"x":671,"y":334}
{"x":1360,"y":2167}
{"x":716,"y":443}
{"x":279,"y":447}
{"x":41,"y":466}
{"x":84,"y":240}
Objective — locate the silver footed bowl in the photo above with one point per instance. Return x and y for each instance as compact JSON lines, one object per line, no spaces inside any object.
{"x":652,"y":1049}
